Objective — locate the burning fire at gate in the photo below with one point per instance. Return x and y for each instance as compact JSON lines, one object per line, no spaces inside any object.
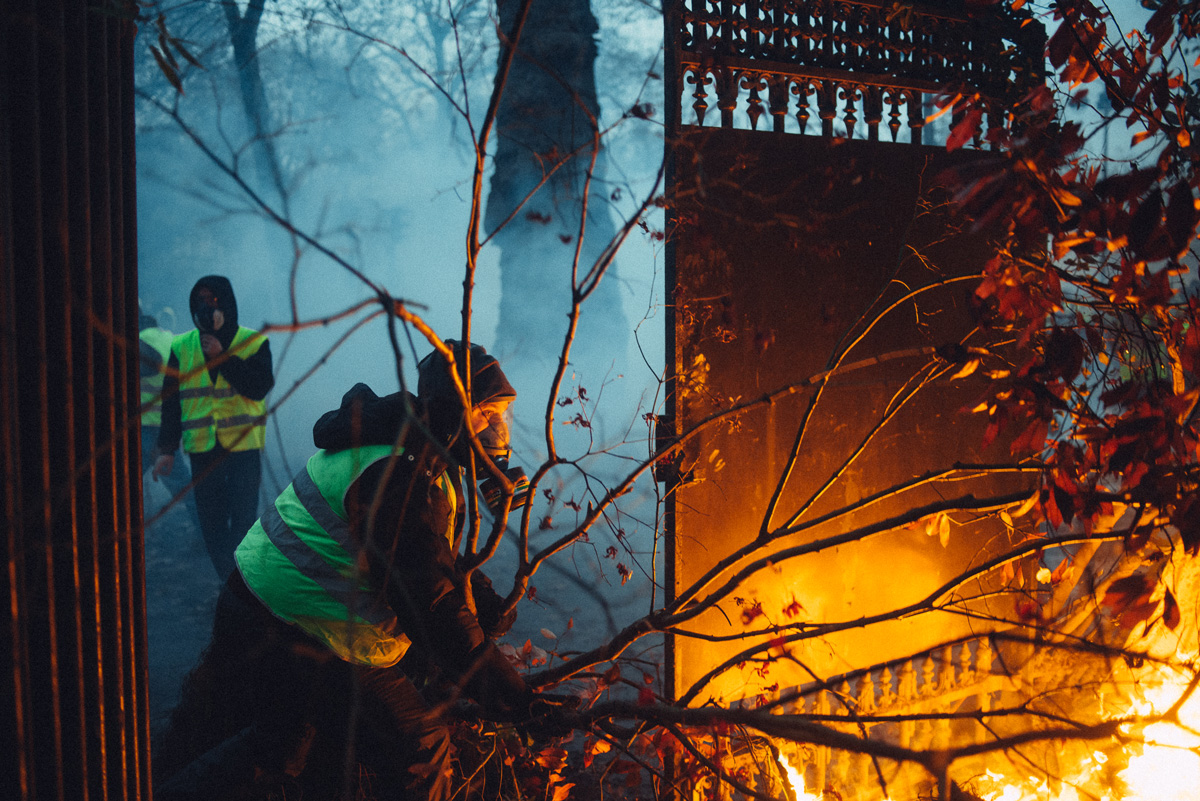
{"x":1155,"y":761}
{"x":1153,"y":756}
{"x":1041,"y":716}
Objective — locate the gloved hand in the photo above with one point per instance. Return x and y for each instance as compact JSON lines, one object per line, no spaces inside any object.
{"x":496,"y":685}
{"x":551,"y":717}
{"x":489,"y":607}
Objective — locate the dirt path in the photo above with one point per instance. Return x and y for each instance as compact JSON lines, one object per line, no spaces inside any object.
{"x":181,"y":592}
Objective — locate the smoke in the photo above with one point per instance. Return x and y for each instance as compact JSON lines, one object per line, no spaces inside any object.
{"x":380,"y":173}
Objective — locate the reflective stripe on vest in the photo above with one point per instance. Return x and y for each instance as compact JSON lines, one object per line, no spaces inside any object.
{"x":303,"y":563}
{"x":152,"y":385}
{"x":447,"y":487}
{"x":216,"y":413}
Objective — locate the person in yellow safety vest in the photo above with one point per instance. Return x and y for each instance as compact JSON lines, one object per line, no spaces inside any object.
{"x":154,"y":348}
{"x":355,"y":562}
{"x":213,"y":401}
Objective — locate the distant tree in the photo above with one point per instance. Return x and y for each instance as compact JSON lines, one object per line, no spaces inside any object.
{"x":548,"y":204}
{"x":243,"y":37}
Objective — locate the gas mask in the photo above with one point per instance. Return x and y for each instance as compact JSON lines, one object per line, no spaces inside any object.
{"x":209,"y":319}
{"x":495,"y":441}
{"x":495,"y":438}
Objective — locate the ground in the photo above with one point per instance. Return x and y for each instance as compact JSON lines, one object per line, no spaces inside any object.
{"x":181,"y":592}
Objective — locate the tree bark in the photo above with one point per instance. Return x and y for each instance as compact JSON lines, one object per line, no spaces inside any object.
{"x":243,"y":36}
{"x":546,"y":124}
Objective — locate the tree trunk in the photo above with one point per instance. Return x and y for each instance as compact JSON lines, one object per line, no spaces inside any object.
{"x":546,"y":122}
{"x":243,"y":36}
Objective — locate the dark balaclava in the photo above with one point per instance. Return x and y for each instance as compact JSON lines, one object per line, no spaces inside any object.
{"x":221,"y":308}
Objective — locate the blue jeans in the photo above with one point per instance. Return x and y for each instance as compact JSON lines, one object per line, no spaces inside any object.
{"x":226,"y":501}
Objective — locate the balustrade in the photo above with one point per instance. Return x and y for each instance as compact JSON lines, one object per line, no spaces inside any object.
{"x":918,"y":694}
{"x":848,"y":68}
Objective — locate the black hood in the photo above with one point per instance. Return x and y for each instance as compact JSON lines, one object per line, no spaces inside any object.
{"x":436,"y":390}
{"x":364,"y":418}
{"x":435,"y":387}
{"x":201,"y":314}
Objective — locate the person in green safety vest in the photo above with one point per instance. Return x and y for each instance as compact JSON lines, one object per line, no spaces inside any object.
{"x":154,"y":348}
{"x":217,"y":378}
{"x":353,"y":565}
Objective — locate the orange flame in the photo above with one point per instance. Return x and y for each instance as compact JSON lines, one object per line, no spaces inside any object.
{"x":1163,"y":766}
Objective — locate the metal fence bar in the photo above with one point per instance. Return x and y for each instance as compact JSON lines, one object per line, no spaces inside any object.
{"x":74,"y":696}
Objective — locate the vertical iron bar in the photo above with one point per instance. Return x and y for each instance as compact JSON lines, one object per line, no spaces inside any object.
{"x":46,"y":717}
{"x":17,"y":59}
{"x":81,"y":112}
{"x":672,"y":86}
{"x":74,"y":695}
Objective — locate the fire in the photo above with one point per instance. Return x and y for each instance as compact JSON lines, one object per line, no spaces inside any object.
{"x":1155,"y":761}
{"x":1163,"y":765}
{"x":1168,"y":769}
{"x":796,"y":780}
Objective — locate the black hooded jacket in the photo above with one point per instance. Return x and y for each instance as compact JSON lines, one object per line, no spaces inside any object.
{"x":252,"y":377}
{"x":407,"y":549}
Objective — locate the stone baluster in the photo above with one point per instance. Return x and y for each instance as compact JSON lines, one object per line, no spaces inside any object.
{"x":827,"y":105}
{"x":928,"y":677}
{"x":946,"y":674}
{"x":916,"y":117}
{"x":873,"y":111}
{"x":983,"y":670}
{"x":821,"y":707}
{"x":894,"y":98}
{"x":966,"y":674}
{"x":865,"y":700}
{"x":727,"y":94}
{"x":802,"y":89}
{"x":700,"y":79}
{"x":851,"y":95}
{"x":887,"y":695}
{"x":908,"y":682}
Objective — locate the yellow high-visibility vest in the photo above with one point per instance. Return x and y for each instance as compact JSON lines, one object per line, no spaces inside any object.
{"x":302,"y":561}
{"x":216,"y":412}
{"x":160,"y":339}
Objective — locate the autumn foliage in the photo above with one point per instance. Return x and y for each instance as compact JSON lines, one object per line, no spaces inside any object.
{"x":1096,"y":272}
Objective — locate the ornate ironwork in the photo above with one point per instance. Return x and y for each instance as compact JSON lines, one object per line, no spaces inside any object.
{"x":860,"y":64}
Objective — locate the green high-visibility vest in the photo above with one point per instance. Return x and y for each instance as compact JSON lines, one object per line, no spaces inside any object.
{"x":215,"y":413}
{"x":152,"y":385}
{"x":301,"y":560}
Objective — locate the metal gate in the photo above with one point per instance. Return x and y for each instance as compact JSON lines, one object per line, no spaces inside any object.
{"x":813,"y":253}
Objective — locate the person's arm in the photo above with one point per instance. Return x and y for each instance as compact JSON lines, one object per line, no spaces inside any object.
{"x":253,"y":376}
{"x":411,"y":557}
{"x":171,"y":430}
